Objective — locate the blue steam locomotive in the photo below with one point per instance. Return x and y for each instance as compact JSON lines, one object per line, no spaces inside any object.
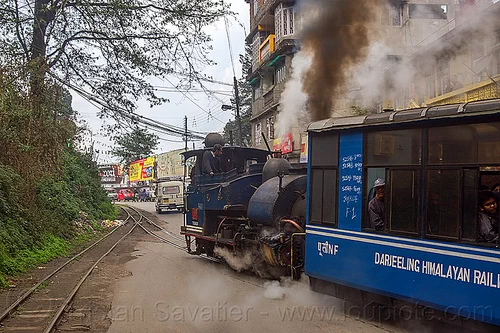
{"x":434,"y":162}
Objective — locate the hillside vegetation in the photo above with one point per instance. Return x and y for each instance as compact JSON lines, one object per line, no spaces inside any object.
{"x":49,"y":191}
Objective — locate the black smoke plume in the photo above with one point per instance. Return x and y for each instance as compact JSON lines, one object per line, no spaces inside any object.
{"x":336,"y":36}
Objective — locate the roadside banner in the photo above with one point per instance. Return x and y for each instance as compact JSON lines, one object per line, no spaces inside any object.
{"x":142,"y":170}
{"x":109,"y":174}
{"x":284,"y":144}
{"x":304,"y":146}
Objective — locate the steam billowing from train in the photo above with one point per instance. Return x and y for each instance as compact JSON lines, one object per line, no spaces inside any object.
{"x":346,"y":55}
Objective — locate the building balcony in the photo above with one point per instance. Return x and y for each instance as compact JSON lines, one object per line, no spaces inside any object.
{"x":264,"y":19}
{"x":267,"y":102}
{"x":257,"y":107}
{"x":285,"y":43}
{"x":272,"y":97}
{"x":267,"y":48}
{"x":470,"y":93}
{"x":264,"y":16}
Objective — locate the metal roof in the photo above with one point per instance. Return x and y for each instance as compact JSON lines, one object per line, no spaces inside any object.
{"x":191,"y":153}
{"x":485,"y":107}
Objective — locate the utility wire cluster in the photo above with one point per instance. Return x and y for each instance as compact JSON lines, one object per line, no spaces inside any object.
{"x":133,"y":117}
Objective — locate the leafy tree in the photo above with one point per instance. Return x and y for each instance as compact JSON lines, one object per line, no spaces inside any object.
{"x":31,"y":146}
{"x":245,"y":94}
{"x":107,"y":46}
{"x":134,"y":145}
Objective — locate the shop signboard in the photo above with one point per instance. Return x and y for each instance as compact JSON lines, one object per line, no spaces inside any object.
{"x":142,"y":170}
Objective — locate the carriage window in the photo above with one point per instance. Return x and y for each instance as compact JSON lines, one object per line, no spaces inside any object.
{"x":451,"y":144}
{"x":443,"y":202}
{"x":394,"y":147}
{"x":324,"y":150}
{"x":404,"y":198}
{"x":316,"y":195}
{"x":488,"y":142}
{"x":470,"y":177}
{"x":323,"y":196}
{"x":329,"y":196}
{"x":371,"y":175}
{"x":324,"y":162}
{"x":476,"y":143}
{"x":393,"y":150}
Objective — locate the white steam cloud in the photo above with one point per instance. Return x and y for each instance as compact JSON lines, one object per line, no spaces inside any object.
{"x":293,"y":99}
{"x":238,"y":263}
{"x":273,"y":290}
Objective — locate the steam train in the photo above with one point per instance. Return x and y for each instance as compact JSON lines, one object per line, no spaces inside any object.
{"x":434,"y":160}
{"x":256,"y":206}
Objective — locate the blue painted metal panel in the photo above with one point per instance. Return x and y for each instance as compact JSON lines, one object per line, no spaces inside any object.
{"x":350,"y":181}
{"x":195,"y":200}
{"x":460,"y":280}
{"x":217,"y":195}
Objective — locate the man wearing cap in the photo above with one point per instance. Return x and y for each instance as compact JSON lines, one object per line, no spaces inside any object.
{"x":376,"y":206}
{"x":211,"y":162}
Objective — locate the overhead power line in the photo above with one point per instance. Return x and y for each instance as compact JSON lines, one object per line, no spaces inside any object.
{"x":133,"y":117}
{"x":192,"y":101}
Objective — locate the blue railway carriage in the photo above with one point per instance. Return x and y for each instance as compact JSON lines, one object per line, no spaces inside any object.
{"x":434,"y":162}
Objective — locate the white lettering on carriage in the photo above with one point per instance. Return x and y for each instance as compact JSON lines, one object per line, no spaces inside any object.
{"x":440,"y":270}
{"x":487,"y":279}
{"x":389,"y":260}
{"x":326,"y":248}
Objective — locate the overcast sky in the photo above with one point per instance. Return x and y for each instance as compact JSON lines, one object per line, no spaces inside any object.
{"x":173,"y":112}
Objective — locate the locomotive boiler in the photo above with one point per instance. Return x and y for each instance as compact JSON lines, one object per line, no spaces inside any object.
{"x":253,"y":209}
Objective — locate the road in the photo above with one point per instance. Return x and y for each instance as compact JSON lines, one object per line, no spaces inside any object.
{"x":171,"y":291}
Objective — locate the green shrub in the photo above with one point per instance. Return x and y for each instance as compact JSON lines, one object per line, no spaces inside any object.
{"x":36,"y":227}
{"x":45,"y":184}
{"x":51,"y":247}
{"x":3,"y":282}
{"x":81,"y":175}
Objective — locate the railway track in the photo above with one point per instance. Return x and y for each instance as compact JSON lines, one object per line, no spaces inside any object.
{"x":35,"y":312}
{"x":171,"y":234}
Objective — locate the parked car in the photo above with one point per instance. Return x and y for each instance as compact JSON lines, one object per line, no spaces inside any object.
{"x":112,"y":195}
{"x":125,"y":195}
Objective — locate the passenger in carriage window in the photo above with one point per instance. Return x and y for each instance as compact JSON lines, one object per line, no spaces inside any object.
{"x":376,"y":206}
{"x":496,"y":187}
{"x":488,"y":217}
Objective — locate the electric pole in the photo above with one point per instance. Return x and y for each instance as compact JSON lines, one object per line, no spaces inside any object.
{"x":238,"y":118}
{"x":185,"y":168}
{"x":185,"y":133}
{"x":185,"y":137}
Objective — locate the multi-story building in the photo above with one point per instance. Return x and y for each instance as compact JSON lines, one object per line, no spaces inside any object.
{"x":408,"y":27}
{"x":169,"y":164}
{"x":467,"y":61}
{"x":272,"y":27}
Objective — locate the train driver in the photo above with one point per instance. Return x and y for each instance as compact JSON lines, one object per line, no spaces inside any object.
{"x":488,"y":219}
{"x":376,"y":206}
{"x":211,"y":162}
